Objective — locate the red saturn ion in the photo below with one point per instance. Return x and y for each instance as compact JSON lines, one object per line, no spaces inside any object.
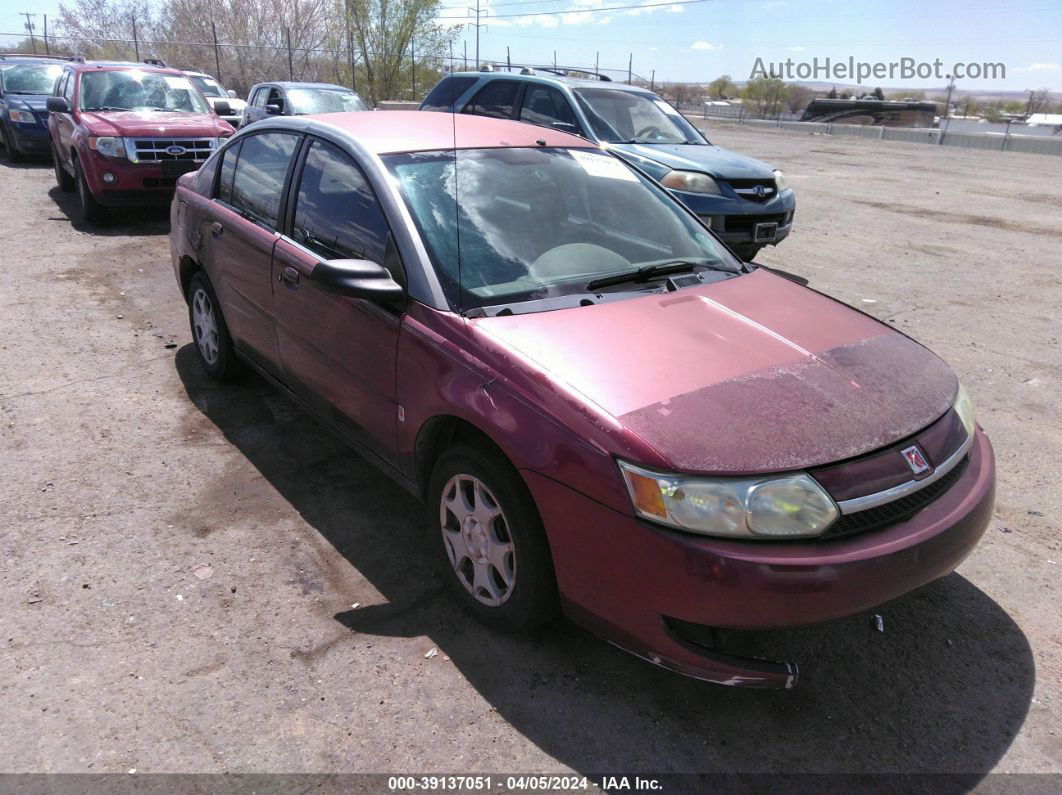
{"x":607,"y":412}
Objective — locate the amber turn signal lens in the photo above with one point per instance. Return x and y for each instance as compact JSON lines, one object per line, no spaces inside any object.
{"x":646,"y":494}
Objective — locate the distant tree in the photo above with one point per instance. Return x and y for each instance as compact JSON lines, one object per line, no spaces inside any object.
{"x":1039,"y":101}
{"x":915,"y":96}
{"x":682,"y":92}
{"x":878,"y":93}
{"x":797,"y":97}
{"x":845,"y":95}
{"x":765,"y":96}
{"x":722,"y":87}
{"x":1013,"y":106}
{"x":832,"y":94}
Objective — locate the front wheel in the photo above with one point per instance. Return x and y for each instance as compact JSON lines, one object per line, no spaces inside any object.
{"x":493,"y":549}
{"x":91,"y":210}
{"x":13,"y":154}
{"x":62,"y":178}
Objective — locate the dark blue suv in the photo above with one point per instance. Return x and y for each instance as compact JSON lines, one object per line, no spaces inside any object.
{"x":26,"y":82}
{"x":743,"y":200}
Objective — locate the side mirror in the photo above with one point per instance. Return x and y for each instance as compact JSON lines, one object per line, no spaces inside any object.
{"x":58,"y":105}
{"x":232,"y":94}
{"x":274,"y":110}
{"x":222,"y":108}
{"x":357,"y":278}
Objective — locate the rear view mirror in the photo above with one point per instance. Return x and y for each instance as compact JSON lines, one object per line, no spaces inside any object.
{"x":357,"y":278}
{"x":274,"y":110}
{"x":222,"y":108}
{"x":58,"y":105}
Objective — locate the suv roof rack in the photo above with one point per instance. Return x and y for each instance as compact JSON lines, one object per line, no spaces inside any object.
{"x":566,"y":71}
{"x":4,"y":55}
{"x":156,"y":62}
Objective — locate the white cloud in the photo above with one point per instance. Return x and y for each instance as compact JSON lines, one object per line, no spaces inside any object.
{"x":1046,"y":67}
{"x":705,"y":45}
{"x":798,"y":48}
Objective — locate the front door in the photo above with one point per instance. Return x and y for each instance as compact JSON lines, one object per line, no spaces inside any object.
{"x":338,"y":352}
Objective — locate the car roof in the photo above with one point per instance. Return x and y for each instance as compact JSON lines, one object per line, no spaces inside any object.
{"x":297,"y":84}
{"x":392,"y":131}
{"x":119,"y":65}
{"x":556,"y":79}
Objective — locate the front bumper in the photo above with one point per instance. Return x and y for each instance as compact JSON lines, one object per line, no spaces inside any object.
{"x":134,"y":184}
{"x":623,"y":578}
{"x":29,"y":139}
{"x":734,"y":219}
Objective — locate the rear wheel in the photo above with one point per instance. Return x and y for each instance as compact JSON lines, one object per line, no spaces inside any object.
{"x":493,"y":549}
{"x":91,"y":210}
{"x":213,"y":345}
{"x":62,"y":178}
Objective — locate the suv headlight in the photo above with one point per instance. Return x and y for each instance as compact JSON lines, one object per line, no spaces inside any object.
{"x":964,"y":408}
{"x":109,"y":147}
{"x":22,"y":116}
{"x":779,"y":181}
{"x":690,"y":181}
{"x":782,"y":506}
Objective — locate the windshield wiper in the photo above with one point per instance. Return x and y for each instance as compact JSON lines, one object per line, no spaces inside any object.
{"x":103,"y":107}
{"x":647,"y":272}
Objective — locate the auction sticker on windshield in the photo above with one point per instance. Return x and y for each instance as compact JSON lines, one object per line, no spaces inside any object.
{"x":602,"y":166}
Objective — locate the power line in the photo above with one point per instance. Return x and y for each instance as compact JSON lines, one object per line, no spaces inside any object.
{"x":589,"y":10}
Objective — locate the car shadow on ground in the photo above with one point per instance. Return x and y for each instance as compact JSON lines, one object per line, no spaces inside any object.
{"x":945,"y":687}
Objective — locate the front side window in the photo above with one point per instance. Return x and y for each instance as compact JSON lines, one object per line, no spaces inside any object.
{"x":136,"y":89}
{"x":504,"y":226}
{"x":548,"y":107}
{"x":261,"y":169}
{"x":628,"y":117}
{"x":30,"y":78}
{"x":259,"y":99}
{"x":497,"y":99}
{"x":68,"y":89}
{"x":337,"y":214}
{"x":323,"y":100}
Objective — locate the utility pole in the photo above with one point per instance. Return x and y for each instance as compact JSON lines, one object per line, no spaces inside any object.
{"x":947,"y":111}
{"x":30,"y":28}
{"x":597,"y":59}
{"x":47,"y":49}
{"x":477,"y":26}
{"x":630,"y":67}
{"x":291,"y":66}
{"x":136,"y":42}
{"x":508,"y":59}
{"x":217,"y":55}
{"x":466,"y":56}
{"x":554,"y":59}
{"x":350,"y":46}
{"x":652,"y":80}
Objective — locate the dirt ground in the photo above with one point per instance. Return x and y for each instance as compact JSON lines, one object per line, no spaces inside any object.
{"x":200,"y":578}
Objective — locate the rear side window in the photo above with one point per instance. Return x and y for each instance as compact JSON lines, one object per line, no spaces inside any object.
{"x":497,"y":99}
{"x":259,"y":177}
{"x":446,"y":92}
{"x":228,"y":169}
{"x":337,"y":214}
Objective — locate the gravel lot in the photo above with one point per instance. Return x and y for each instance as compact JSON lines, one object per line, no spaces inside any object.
{"x":183,"y":560}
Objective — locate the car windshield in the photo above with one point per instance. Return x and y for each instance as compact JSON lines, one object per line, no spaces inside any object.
{"x":324,"y":100}
{"x":136,"y":89}
{"x":628,"y":117}
{"x":209,"y":86}
{"x":511,"y":225}
{"x":36,"y":78}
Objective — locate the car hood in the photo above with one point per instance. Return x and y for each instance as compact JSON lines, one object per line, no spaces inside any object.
{"x":155,"y":123}
{"x":711,"y":159}
{"x":752,"y":374}
{"x":34,"y":102}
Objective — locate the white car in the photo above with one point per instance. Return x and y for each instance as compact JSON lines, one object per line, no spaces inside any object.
{"x":214,"y":91}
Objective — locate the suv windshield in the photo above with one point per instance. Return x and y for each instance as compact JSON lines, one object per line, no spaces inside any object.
{"x":136,"y":89}
{"x":209,"y":86}
{"x":622,"y":117}
{"x":36,"y":78}
{"x":324,"y":100}
{"x":509,"y":225}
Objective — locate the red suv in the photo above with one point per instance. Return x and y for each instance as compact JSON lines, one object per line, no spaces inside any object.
{"x":122,"y":133}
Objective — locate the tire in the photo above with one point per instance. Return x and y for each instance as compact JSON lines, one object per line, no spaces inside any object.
{"x":210,"y":336}
{"x":747,"y":251}
{"x":62,"y":178}
{"x":494,"y":557}
{"x":13,"y":155}
{"x":91,"y":210}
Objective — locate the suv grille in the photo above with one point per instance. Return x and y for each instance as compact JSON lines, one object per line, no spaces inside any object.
{"x":755,"y":190}
{"x":896,"y":511}
{"x":156,"y":150}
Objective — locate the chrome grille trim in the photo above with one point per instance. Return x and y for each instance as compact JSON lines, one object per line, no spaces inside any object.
{"x":153,"y":150}
{"x":857,"y":504}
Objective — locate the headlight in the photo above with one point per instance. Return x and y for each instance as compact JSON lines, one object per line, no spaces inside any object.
{"x":22,"y":116}
{"x":110,"y":147}
{"x":689,"y":181}
{"x":779,"y":181}
{"x":964,"y":408}
{"x":785,"y":506}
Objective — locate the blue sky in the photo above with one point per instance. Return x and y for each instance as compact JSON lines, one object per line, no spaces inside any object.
{"x":700,"y":41}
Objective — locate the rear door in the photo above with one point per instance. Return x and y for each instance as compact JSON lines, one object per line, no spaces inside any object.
{"x":337,"y":352}
{"x":240,"y":233}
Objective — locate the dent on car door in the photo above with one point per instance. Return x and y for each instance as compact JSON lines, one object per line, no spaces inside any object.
{"x":337,"y":352}
{"x":240,"y":234}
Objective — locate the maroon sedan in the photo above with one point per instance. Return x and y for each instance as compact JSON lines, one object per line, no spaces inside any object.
{"x":607,"y":412}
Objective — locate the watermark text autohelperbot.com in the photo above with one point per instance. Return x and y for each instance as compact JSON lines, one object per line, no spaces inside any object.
{"x":860,"y":71}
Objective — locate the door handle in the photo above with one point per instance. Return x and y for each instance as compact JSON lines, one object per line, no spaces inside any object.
{"x":216,"y":230}
{"x":290,"y":277}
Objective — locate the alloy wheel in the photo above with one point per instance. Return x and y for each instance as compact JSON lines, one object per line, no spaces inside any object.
{"x":206,"y":326}
{"x":477,"y":538}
